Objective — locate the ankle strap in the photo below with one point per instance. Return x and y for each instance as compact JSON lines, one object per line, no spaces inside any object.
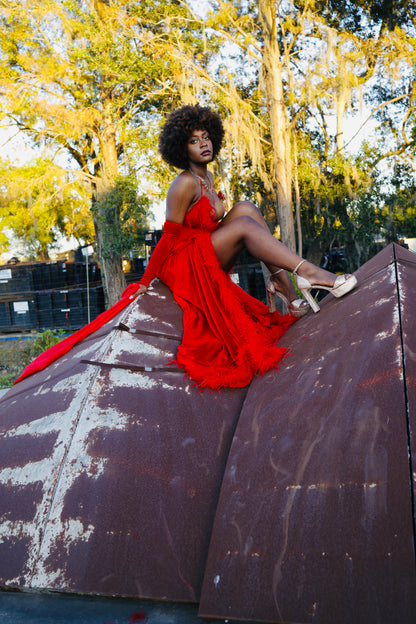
{"x":295,"y":270}
{"x":276,"y":272}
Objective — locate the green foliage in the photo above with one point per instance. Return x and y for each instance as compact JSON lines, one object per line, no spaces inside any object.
{"x":88,"y":80}
{"x":15,"y":355}
{"x":362,"y":15}
{"x":122,"y":214}
{"x":359,"y":222}
{"x":342,"y":206}
{"x":404,"y":221}
{"x":39,"y":202}
{"x":367,"y":226}
{"x":46,"y":339}
{"x":94,"y":80}
{"x":400,"y":203}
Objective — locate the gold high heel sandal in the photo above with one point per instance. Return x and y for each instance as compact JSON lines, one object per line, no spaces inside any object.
{"x":341,"y":286}
{"x":296,"y":308}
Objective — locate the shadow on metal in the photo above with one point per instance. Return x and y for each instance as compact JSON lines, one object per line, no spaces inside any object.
{"x":111,"y":473}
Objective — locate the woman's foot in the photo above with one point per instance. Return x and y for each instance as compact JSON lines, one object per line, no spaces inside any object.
{"x":315,"y":277}
{"x":279,"y":284}
{"x":314,"y":274}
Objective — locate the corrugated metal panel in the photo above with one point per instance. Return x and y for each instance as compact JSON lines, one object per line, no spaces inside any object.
{"x":314,"y":522}
{"x":407,"y":295}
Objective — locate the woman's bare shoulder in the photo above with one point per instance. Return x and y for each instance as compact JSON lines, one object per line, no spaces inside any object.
{"x":181,"y":195}
{"x":184,"y":180}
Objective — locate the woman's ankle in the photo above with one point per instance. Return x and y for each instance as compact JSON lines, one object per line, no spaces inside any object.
{"x":283,"y":282}
{"x":315,"y":274}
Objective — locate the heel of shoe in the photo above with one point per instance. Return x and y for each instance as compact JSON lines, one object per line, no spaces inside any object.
{"x":270,"y":293}
{"x":271,"y":301}
{"x":307,"y":295}
{"x":305,"y":286}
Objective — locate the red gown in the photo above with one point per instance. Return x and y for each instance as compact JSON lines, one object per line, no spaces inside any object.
{"x":228,"y":335}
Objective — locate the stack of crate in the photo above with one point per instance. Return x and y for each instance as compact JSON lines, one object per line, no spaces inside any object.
{"x":48,"y":295}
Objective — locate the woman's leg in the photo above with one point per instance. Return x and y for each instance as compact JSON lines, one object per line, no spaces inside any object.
{"x":240,"y":230}
{"x":282,"y":280}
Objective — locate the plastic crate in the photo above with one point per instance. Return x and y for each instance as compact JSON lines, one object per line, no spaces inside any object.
{"x":23,"y":314}
{"x":5,"y":318}
{"x":45,"y":319}
{"x":43,"y":301}
{"x":16,"y":279}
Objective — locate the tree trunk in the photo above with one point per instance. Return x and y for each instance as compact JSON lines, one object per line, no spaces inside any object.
{"x":279,"y":121}
{"x":111,"y":264}
{"x":112,"y":274}
{"x":297,"y":196}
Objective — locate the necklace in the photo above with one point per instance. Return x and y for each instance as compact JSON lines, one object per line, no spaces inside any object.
{"x":206,"y":182}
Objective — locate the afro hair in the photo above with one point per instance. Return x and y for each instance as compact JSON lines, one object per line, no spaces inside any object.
{"x":179,"y":127}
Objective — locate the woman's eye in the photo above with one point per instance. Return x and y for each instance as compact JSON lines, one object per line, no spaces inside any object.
{"x":204,"y":138}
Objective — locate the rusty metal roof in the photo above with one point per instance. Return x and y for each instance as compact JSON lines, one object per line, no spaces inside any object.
{"x":111,"y":475}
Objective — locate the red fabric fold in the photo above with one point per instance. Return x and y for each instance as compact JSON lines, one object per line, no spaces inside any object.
{"x":162,"y":249}
{"x":55,"y":352}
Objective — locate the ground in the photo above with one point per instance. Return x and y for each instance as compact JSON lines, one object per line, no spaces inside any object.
{"x":16,"y":352}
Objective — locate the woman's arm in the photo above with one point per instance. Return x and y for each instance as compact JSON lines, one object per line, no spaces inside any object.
{"x":183,"y":192}
{"x":180,"y":197}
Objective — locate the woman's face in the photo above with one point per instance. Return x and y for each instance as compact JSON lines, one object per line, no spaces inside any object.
{"x":199,"y":147}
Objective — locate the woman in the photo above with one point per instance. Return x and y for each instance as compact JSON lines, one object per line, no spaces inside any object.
{"x":228,"y":335}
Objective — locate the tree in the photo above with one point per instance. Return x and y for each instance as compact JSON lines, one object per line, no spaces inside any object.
{"x":293,"y":67}
{"x":400,"y":203}
{"x":89,"y":79}
{"x":275,"y":61}
{"x":39,"y":203}
{"x":123,"y":217}
{"x":261,"y":127}
{"x":368,"y":58}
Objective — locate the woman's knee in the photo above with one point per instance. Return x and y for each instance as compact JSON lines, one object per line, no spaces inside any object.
{"x":247,"y":208}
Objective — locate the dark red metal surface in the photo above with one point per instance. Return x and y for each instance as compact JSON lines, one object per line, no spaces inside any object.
{"x":110,"y":475}
{"x":315,"y":517}
{"x":407,"y":293}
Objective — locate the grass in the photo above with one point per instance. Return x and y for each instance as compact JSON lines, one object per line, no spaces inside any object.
{"x":15,"y":355}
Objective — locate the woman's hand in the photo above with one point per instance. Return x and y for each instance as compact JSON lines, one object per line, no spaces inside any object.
{"x":142,"y":289}
{"x":132,"y":291}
